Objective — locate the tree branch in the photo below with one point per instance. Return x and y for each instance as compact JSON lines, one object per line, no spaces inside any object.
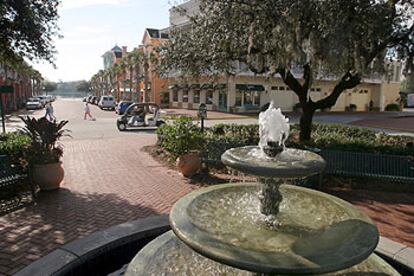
{"x":293,"y":84}
{"x":348,"y":81}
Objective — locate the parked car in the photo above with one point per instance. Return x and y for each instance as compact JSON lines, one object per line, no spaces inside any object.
{"x":89,"y":99}
{"x":96,"y":100}
{"x":107,"y":102}
{"x":140,"y":115}
{"x":92,"y":100}
{"x":34,"y":103}
{"x":122,"y":106}
{"x":43,"y":100}
{"x":50,"y":98}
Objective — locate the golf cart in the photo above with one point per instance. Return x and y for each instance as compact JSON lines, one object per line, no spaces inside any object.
{"x":140,"y":115}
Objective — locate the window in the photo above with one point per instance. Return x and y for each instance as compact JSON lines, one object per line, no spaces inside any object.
{"x":282,"y":88}
{"x":248,"y":98}
{"x":196,"y":98}
{"x":185,"y":96}
{"x":175,"y":96}
{"x":397,"y":73}
{"x":238,"y":98}
{"x":256,"y":97}
{"x":251,"y":98}
{"x":209,"y":97}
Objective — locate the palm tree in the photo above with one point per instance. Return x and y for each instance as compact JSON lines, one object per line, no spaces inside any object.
{"x":123,"y":70}
{"x":133,"y":62}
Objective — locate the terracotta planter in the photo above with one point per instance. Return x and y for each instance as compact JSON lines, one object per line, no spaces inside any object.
{"x":189,"y":164}
{"x":48,"y":176}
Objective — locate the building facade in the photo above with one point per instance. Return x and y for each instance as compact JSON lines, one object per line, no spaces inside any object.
{"x":247,"y":92}
{"x":157,"y":87}
{"x":22,"y":85}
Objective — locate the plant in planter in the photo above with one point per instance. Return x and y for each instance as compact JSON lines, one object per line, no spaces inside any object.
{"x":44,"y":152}
{"x":184,"y":141}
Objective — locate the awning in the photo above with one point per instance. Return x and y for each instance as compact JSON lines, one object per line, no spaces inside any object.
{"x":220,"y":86}
{"x":195,"y":86}
{"x":173,"y":87}
{"x":250,"y":87}
{"x":207,"y":86}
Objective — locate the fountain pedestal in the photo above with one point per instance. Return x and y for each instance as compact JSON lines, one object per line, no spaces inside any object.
{"x":270,"y":196}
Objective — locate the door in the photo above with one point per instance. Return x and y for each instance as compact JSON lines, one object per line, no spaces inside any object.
{"x":222,"y":100}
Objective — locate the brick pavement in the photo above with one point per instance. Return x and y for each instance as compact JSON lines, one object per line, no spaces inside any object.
{"x":107,"y":182}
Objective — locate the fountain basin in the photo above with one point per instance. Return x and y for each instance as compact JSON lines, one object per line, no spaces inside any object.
{"x":167,"y":255}
{"x":291,"y":163}
{"x":318,"y":233}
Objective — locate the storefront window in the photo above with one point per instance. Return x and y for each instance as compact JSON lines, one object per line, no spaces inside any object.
{"x":256,"y":97}
{"x":209,"y":97}
{"x":248,"y":98}
{"x":196,"y":98}
{"x":175,"y":96}
{"x":238,"y":98}
{"x":185,"y":96}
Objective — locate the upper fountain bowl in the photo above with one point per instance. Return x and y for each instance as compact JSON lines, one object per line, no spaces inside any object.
{"x":291,"y":163}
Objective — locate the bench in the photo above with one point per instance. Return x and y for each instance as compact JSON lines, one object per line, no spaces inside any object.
{"x":12,"y":186}
{"x":393,"y":168}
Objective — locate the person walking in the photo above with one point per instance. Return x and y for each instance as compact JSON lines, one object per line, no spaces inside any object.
{"x":51,"y":111}
{"x":87,"y":112}
{"x":48,"y":112}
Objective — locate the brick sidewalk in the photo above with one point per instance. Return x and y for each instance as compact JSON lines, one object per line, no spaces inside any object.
{"x":107,"y":182}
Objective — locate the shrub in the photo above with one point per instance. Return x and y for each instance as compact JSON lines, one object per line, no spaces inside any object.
{"x":13,"y":145}
{"x":392,"y":107}
{"x":180,"y":137}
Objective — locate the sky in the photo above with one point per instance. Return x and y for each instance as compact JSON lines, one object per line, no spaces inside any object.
{"x":92,"y":27}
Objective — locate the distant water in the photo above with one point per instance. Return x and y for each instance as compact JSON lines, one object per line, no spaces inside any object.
{"x":68,"y":94}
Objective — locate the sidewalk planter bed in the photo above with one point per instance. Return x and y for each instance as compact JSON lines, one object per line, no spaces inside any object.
{"x":44,"y":152}
{"x":349,"y":151}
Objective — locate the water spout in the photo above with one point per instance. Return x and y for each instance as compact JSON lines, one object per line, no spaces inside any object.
{"x":274,"y":131}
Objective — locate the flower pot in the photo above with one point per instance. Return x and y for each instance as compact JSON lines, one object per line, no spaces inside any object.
{"x":189,"y":164}
{"x":48,"y":176}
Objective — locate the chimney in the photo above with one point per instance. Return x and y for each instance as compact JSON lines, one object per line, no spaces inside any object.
{"x":124,"y":50}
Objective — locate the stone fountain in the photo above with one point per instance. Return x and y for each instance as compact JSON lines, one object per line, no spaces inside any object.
{"x":265,"y":228}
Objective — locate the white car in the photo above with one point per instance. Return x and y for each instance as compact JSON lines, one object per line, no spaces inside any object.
{"x":107,"y":102}
{"x":43,"y":100}
{"x":34,"y":103}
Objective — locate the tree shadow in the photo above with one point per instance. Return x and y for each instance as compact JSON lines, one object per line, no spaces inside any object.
{"x":57,"y":218}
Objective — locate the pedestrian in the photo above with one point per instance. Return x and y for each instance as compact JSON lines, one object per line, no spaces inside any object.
{"x":87,"y":112}
{"x":51,"y":111}
{"x":47,"y":115}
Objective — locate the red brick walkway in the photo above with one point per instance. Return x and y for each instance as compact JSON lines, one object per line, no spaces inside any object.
{"x":107,"y":182}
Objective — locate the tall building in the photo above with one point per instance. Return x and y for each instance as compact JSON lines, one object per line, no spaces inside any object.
{"x":157,"y":87}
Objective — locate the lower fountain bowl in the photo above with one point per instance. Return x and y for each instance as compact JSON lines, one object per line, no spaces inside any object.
{"x":167,"y":255}
{"x":318,"y":233}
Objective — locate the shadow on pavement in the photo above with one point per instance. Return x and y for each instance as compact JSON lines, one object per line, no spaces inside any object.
{"x":57,"y":218}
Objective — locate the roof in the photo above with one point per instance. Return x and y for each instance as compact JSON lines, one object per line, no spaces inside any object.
{"x":116,"y":48}
{"x":155,"y":33}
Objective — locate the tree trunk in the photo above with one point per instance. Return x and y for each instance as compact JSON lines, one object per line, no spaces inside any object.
{"x":306,"y":123}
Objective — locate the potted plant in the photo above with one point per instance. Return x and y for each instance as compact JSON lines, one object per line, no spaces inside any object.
{"x":183,"y":140}
{"x":44,"y":152}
